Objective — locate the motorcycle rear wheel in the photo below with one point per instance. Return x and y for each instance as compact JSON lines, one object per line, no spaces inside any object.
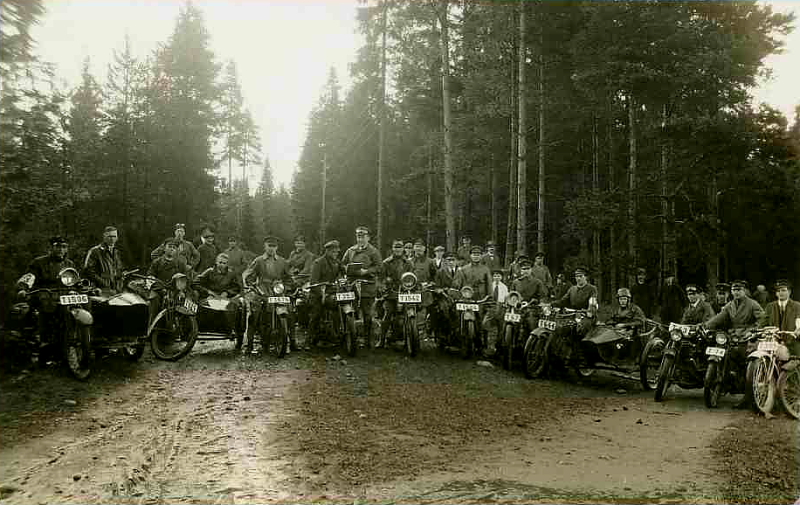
{"x":664,"y":376}
{"x":350,"y":338}
{"x":173,"y":337}
{"x":535,"y":354}
{"x":650,"y":363}
{"x":78,"y":352}
{"x":712,"y":386}
{"x":763,"y":384}
{"x":789,"y":391}
{"x":508,"y":347}
{"x":468,"y":340}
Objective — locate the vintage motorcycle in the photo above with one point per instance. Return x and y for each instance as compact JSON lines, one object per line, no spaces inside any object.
{"x":682,"y":360}
{"x":403,"y":324}
{"x":468,"y":309}
{"x":512,"y":341}
{"x":550,"y":344}
{"x":120,"y":319}
{"x":339,"y":324}
{"x":767,"y":368}
{"x":727,"y":366}
{"x":274,"y":324}
{"x":173,"y":331}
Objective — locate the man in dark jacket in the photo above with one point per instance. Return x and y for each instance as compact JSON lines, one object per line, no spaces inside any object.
{"x":644,"y":293}
{"x":300,"y":259}
{"x":185,"y":248}
{"x":368,"y":258}
{"x":326,"y":268}
{"x":698,"y":311}
{"x":784,"y":313}
{"x":43,"y":271}
{"x":103,"y":263}
{"x":393,"y":268}
{"x":207,"y":250}
{"x":673,"y":300}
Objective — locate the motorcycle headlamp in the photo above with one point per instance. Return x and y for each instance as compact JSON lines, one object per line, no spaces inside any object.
{"x":278,"y":288}
{"x":180,"y":281}
{"x":547,"y":310}
{"x":466,"y":292}
{"x":408,"y":280}
{"x":675,"y":335}
{"x":69,"y":276}
{"x":721,"y":338}
{"x":513,"y":299}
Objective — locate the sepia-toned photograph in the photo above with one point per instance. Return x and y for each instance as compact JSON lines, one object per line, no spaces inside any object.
{"x":399,"y":252}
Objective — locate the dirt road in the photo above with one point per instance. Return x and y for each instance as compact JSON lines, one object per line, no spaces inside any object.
{"x":221,"y":428}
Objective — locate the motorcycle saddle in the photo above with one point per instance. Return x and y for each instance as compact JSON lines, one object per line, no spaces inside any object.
{"x":125,"y":299}
{"x":603,"y":335}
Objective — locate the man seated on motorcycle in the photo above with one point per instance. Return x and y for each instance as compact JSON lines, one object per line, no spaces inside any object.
{"x":531,"y":289}
{"x":739,"y":315}
{"x":164,"y":267}
{"x":393,"y":268}
{"x":581,"y":296}
{"x":326,"y":268}
{"x":626,"y":315}
{"x":698,"y":311}
{"x":220,"y":283}
{"x":103,"y":264}
{"x":42,"y":272}
{"x":476,"y":275}
{"x":494,"y":315}
{"x":262,"y":272}
{"x":369,"y":258}
{"x":442,"y":316}
{"x":784,"y":313}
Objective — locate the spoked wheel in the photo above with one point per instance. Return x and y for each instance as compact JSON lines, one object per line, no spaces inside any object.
{"x":467,"y":348}
{"x":764,"y":385}
{"x":508,"y":346}
{"x":279,"y":339}
{"x":664,"y":376}
{"x":789,"y":391}
{"x":411,"y":337}
{"x":173,"y":336}
{"x":712,"y":387}
{"x":78,"y":352}
{"x":350,"y":338}
{"x":650,"y":363}
{"x":535,"y":356}
{"x":134,"y":352}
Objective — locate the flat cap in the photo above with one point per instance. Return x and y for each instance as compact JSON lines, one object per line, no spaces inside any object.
{"x":739,"y":284}
{"x":58,"y":240}
{"x":362,"y":230}
{"x":331,"y":244}
{"x":438,"y":248}
{"x":271,"y":240}
{"x":475,"y":249}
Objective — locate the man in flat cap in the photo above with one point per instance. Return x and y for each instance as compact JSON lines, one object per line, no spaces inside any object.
{"x":363,"y":261}
{"x":478,"y":276}
{"x":207,"y":249}
{"x":490,"y":258}
{"x":438,"y":256}
{"x":579,"y":295}
{"x":185,"y":248}
{"x":103,"y":263}
{"x":393,"y":268}
{"x":326,"y":268}
{"x":424,"y":268}
{"x":672,"y":301}
{"x":263,"y":271}
{"x":300,"y":259}
{"x":542,"y":272}
{"x":698,"y":311}
{"x":722,"y":296}
{"x":447,"y":272}
{"x":463,"y":251}
{"x":43,"y":271}
{"x":784,"y":313}
{"x":740,"y":313}
{"x":644,"y":293}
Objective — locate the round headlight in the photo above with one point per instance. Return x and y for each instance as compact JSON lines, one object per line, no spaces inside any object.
{"x":721,"y":338}
{"x":408,"y":280}
{"x":278,"y":288}
{"x":675,"y":335}
{"x":512,"y":299}
{"x":181,"y":283}
{"x":68,"y":276}
{"x":466,"y":292}
{"x":547,"y":310}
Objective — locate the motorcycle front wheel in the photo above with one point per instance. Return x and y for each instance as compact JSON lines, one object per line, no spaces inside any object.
{"x":280,"y":338}
{"x":508,"y":346}
{"x":650,"y":363}
{"x":712,"y":386}
{"x":412,"y":337}
{"x":173,"y":336}
{"x":789,"y":391}
{"x":535,"y":356}
{"x":468,"y":340}
{"x":664,"y":376}
{"x":763,"y":384}
{"x":350,"y":338}
{"x":78,"y":352}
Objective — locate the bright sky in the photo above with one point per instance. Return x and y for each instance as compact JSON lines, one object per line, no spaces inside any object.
{"x":283,"y":50}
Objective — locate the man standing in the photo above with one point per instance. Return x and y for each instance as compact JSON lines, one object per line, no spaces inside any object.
{"x":423,"y":266}
{"x":237,"y":261}
{"x":698,"y":311}
{"x":561,"y":287}
{"x":643,"y":292}
{"x":490,"y":259}
{"x":169,"y":264}
{"x":784,"y":313}
{"x":207,"y":249}
{"x":368,"y":260}
{"x":529,"y":287}
{"x":103,"y":263}
{"x":263,"y":271}
{"x":673,"y":300}
{"x":541,"y":272}
{"x":438,"y":256}
{"x":220,"y":282}
{"x":185,"y":248}
{"x":446,"y":274}
{"x":393,"y":268}
{"x":721,"y":296}
{"x":301,"y":259}
{"x":519,"y":257}
{"x":474,"y":274}
{"x":463,"y":251}
{"x":761,"y":295}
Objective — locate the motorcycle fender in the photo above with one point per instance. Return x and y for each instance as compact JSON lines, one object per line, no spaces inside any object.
{"x":757,"y":354}
{"x":156,"y":319}
{"x":538,"y":332}
{"x":281,"y":310}
{"x":715,"y":359}
{"x":82,"y":316}
{"x":469,"y":316}
{"x":671,"y":351}
{"x":410,"y":312}
{"x":347,"y":308}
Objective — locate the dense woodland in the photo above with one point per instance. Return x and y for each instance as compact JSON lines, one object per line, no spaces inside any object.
{"x":612,"y":134}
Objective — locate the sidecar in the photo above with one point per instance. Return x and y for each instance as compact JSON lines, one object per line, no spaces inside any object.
{"x":610,"y":347}
{"x":120,"y":322}
{"x":221,"y":319}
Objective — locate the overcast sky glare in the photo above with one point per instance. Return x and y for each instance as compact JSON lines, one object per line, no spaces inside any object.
{"x":283,"y":50}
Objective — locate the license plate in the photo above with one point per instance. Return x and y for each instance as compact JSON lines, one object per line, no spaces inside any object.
{"x":715,"y":351}
{"x":73,"y":299}
{"x":683,"y":328}
{"x":461,"y":307}
{"x":278,"y":299}
{"x":344,"y":297}
{"x":768,"y":346}
{"x":547,"y":324}
{"x":409,"y":298}
{"x":511,"y":317}
{"x":190,"y":306}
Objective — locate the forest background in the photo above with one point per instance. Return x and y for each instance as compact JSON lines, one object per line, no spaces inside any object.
{"x":609,"y":134}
